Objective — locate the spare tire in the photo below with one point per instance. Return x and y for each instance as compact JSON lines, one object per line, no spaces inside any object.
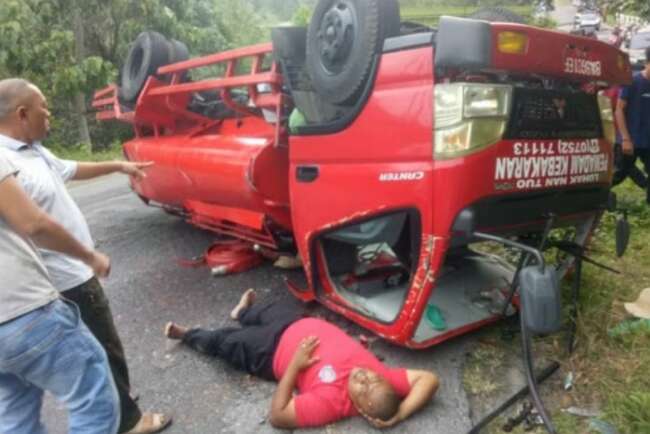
{"x":178,"y":51}
{"x":342,"y":40}
{"x":497,"y":14}
{"x":149,"y":52}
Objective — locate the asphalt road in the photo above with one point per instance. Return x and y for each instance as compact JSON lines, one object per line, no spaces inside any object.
{"x":147,"y":288}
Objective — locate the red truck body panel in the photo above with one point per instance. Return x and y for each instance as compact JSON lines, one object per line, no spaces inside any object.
{"x":239,"y":175}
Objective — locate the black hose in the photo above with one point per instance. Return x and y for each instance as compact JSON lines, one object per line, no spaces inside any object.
{"x":525,"y":337}
{"x":523,"y":261}
{"x":576,"y":297}
{"x":529,"y":368}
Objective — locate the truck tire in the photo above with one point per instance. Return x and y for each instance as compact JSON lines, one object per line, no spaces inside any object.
{"x":497,"y":14}
{"x":342,"y":40}
{"x":149,"y":52}
{"x":390,"y":22}
{"x":178,"y":51}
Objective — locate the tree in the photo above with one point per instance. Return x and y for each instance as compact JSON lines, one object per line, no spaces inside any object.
{"x":70,"y":48}
{"x":37,"y":43}
{"x":640,"y":8}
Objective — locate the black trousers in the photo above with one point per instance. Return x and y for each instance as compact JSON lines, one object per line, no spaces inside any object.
{"x":96,"y":313}
{"x":626,"y":167}
{"x":251,"y":347}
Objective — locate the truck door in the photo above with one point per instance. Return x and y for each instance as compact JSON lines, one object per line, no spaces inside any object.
{"x":361,"y":196}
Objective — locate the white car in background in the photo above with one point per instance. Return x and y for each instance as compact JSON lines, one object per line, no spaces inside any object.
{"x":586,"y":19}
{"x":637,"y":46}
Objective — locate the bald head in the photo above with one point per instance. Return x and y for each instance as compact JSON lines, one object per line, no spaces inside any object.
{"x":14,"y":92}
{"x":23,"y":110}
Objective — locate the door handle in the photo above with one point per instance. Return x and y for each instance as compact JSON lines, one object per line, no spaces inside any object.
{"x":306,"y":173}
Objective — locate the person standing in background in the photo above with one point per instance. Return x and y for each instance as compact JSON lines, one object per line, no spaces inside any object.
{"x":633,"y":119}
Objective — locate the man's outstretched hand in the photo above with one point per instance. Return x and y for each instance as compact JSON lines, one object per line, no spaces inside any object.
{"x":302,"y":358}
{"x":135,"y":169}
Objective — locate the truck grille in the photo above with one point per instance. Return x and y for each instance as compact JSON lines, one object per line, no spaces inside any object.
{"x":541,"y":114}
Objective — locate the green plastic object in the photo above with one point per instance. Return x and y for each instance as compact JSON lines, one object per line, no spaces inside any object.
{"x":296,"y":120}
{"x":434,"y":318}
{"x":602,"y":427}
{"x":629,"y":326}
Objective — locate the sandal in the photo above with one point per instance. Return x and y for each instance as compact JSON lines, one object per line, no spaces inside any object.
{"x":151,"y":423}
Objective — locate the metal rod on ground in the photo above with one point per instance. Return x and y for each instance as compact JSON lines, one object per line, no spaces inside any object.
{"x":541,"y":377}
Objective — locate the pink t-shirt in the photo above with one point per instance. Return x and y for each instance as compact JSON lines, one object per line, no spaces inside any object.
{"x":323,"y":388}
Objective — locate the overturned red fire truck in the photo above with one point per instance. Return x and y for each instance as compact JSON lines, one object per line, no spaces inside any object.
{"x":386,"y":154}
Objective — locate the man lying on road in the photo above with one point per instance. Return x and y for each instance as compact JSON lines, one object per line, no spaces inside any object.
{"x":335,"y":376}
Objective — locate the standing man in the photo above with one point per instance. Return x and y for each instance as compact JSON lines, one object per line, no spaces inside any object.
{"x":633,"y":118}
{"x":43,"y":343}
{"x":622,"y":169}
{"x":24,"y":122}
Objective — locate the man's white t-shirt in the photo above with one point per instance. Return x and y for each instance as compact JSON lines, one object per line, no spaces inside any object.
{"x":43,"y":177}
{"x":24,"y":284}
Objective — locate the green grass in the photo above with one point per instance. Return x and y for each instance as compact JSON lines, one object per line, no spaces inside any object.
{"x":617,"y":368}
{"x":611,"y":373}
{"x":430,"y":15}
{"x":81,"y":153}
{"x":632,"y":409}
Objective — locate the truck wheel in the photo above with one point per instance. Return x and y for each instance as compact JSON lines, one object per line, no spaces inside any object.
{"x":178,"y":51}
{"x":342,"y":39}
{"x":390,"y":22}
{"x":149,"y":52}
{"x":497,"y":14}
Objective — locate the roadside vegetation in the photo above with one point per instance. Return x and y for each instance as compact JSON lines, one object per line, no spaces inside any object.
{"x":430,"y":14}
{"x":610,"y":374}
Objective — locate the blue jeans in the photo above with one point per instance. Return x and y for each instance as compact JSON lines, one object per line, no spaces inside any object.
{"x":51,"y":349}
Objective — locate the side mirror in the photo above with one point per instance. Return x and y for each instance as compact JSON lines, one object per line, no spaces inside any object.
{"x":541,"y":305}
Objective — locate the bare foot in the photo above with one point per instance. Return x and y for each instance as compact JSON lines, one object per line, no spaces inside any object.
{"x":174,"y":331}
{"x":151,"y":423}
{"x":245,"y":301}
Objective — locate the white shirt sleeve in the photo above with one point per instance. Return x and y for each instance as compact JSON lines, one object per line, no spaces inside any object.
{"x":7,"y":168}
{"x":65,"y":168}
